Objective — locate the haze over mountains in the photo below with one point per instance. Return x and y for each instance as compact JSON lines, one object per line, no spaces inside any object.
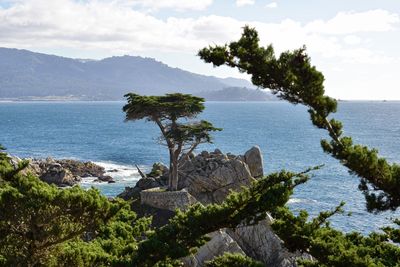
{"x":29,"y":75}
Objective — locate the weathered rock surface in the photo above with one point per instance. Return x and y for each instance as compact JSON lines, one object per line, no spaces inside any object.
{"x":167,"y":200}
{"x":260,"y":243}
{"x":254,"y":160}
{"x":209,"y":177}
{"x":56,"y":174}
{"x":64,"y":172}
{"x":142,"y":184}
{"x":219,"y":243}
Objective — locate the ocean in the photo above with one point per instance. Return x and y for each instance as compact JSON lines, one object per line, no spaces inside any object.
{"x":96,"y":131}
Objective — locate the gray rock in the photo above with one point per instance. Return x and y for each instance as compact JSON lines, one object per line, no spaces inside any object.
{"x":217,"y":151}
{"x":105,"y":178}
{"x":142,"y":184}
{"x":130,"y":193}
{"x":204,"y":154}
{"x":167,"y":200}
{"x":216,"y":176}
{"x":56,"y":174}
{"x":219,"y":243}
{"x":64,"y":172}
{"x":254,"y":160}
{"x":260,"y":243}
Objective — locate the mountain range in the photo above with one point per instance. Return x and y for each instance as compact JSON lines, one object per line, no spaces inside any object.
{"x":35,"y":76}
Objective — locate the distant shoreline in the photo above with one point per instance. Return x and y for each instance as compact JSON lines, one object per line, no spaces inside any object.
{"x":99,"y":101}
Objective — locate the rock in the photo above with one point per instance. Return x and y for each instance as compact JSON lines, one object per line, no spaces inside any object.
{"x":14,"y":161}
{"x":204,"y":154}
{"x":260,"y":243}
{"x":219,"y":243}
{"x":217,"y":151}
{"x":142,"y":184}
{"x":209,"y":178}
{"x":56,"y":174}
{"x":214,"y":177}
{"x":65,"y":172}
{"x":82,"y":169}
{"x":106,"y":178}
{"x":159,"y":170}
{"x":130,"y":193}
{"x":148,"y":183}
{"x":254,"y":160}
{"x":167,"y":200}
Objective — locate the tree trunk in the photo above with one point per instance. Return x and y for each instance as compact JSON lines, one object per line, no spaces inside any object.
{"x":174,"y":175}
{"x":173,"y":169}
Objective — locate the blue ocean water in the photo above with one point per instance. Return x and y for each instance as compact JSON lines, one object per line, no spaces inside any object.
{"x":96,"y":131}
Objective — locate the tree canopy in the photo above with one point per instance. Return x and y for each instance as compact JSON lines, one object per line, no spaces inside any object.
{"x":42,"y":225}
{"x":292,"y":77}
{"x":167,"y":112}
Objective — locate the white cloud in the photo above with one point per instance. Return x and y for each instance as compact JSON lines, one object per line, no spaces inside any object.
{"x":241,"y":3}
{"x":352,"y":40}
{"x":110,"y":25}
{"x":272,"y":5}
{"x":171,"y":4}
{"x":350,"y":22}
{"x":112,"y":28}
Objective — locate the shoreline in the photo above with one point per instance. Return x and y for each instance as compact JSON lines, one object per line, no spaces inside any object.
{"x":207,"y":101}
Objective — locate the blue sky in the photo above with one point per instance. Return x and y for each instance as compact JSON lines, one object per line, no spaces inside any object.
{"x":354,"y":42}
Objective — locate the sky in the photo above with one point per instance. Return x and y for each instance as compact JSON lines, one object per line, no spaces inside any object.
{"x":355,"y":43}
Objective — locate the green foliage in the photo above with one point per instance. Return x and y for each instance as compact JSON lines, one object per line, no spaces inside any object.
{"x":292,"y":77}
{"x":331,"y":247}
{"x":192,"y":133}
{"x":37,"y":219}
{"x":187,"y":230}
{"x":156,"y":170}
{"x":44,"y":225}
{"x":181,"y":138}
{"x":170,"y":107}
{"x":114,"y":244}
{"x":233,"y":260}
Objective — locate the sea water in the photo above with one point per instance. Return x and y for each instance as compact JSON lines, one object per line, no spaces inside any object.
{"x":96,"y":131}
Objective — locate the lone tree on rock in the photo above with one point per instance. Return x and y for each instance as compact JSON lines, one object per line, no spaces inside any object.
{"x":167,"y":112}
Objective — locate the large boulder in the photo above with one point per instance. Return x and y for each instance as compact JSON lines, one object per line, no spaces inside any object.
{"x":254,"y":159}
{"x":220,"y":242}
{"x":167,"y":200}
{"x":82,"y":169}
{"x":56,"y":174}
{"x":261,"y":243}
{"x":210,"y":177}
{"x":65,"y":171}
{"x":142,"y":184}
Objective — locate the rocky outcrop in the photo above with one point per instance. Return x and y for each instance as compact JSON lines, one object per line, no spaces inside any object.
{"x":65,"y":172}
{"x":142,"y":184}
{"x":220,"y":242}
{"x":210,"y":177}
{"x":167,"y":200}
{"x":82,"y":169}
{"x":260,"y":243}
{"x":254,"y":161}
{"x":56,"y":174}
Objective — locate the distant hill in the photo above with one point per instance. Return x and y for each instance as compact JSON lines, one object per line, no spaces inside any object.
{"x":238,"y":94}
{"x":28,"y":75}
